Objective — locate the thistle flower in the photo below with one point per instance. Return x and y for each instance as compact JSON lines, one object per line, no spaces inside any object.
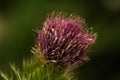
{"x":64,"y":39}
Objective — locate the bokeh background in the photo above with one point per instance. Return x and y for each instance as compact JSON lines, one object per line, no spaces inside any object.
{"x":18,"y":19}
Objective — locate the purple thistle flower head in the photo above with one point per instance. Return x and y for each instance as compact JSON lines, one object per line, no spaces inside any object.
{"x":64,"y":39}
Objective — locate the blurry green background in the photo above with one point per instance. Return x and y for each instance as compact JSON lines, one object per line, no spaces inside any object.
{"x":18,"y":19}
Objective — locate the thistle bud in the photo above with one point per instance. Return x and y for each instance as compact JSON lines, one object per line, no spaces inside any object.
{"x":64,"y":39}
